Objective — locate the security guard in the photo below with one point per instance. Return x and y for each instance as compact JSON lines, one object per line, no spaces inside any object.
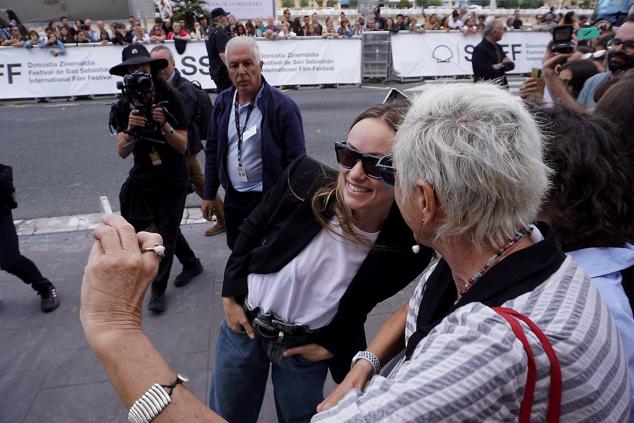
{"x":215,"y":42}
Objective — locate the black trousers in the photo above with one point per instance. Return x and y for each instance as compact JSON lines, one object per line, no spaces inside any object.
{"x":12,"y":261}
{"x":166,"y":208}
{"x":238,"y":205}
{"x":183,"y":251}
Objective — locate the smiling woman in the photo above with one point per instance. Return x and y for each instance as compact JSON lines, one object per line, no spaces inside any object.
{"x":310,"y":263}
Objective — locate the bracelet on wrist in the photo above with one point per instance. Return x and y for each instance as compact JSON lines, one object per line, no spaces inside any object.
{"x":153,"y":401}
{"x":370,"y":358}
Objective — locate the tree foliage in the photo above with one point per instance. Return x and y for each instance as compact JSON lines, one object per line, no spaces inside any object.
{"x":189,"y":10}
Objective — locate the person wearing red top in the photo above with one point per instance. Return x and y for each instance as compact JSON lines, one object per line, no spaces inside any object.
{"x":178,"y":33}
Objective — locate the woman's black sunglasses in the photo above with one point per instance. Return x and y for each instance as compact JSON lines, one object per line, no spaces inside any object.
{"x":373,"y":166}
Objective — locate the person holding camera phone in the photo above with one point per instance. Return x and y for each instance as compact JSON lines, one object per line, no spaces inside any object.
{"x":489,"y":60}
{"x":620,"y":59}
{"x":151,"y":125}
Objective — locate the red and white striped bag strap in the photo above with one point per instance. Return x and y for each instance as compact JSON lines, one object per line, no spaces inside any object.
{"x":554,"y":396}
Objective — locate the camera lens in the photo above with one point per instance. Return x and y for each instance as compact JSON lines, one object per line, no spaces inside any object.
{"x":145,"y":83}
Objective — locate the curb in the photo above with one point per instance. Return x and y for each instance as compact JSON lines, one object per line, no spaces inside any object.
{"x":84,"y":222}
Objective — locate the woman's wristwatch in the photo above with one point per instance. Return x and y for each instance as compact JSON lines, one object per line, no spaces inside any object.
{"x":370,"y":358}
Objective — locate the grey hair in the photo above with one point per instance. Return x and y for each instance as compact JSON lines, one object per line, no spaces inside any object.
{"x":490,"y":26}
{"x":161,"y":47}
{"x":244,"y":41}
{"x":481,"y":152}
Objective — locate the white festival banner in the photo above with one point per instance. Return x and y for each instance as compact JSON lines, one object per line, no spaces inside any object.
{"x":449,"y":53}
{"x":83,"y":70}
{"x":244,"y":9}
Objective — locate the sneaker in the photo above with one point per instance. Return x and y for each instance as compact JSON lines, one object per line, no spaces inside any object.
{"x":50,"y":300}
{"x":215,"y":229}
{"x":188,"y":274}
{"x":157,"y":303}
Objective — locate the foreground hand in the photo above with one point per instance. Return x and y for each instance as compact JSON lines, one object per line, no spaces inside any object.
{"x":116,"y":278}
{"x":236,"y":317}
{"x":312,"y":352}
{"x":208,"y":209}
{"x":356,"y":378}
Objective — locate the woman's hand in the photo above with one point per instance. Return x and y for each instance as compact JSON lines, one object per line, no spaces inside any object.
{"x":312,"y":352}
{"x":356,"y":378}
{"x":116,"y":278}
{"x":236,"y":317}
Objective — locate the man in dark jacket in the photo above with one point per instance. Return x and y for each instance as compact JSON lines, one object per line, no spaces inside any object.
{"x":189,"y":100}
{"x":489,"y":60}
{"x":255,"y":132}
{"x":192,"y":107}
{"x":10,"y":258}
{"x":215,"y":41}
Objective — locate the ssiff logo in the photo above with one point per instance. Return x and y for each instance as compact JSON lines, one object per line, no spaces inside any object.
{"x":442,"y":54}
{"x":10,"y":70}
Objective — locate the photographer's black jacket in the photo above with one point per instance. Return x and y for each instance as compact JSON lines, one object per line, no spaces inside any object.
{"x":172,"y":172}
{"x":284,"y":224}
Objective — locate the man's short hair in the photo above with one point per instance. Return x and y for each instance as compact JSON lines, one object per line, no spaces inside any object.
{"x":162,"y":47}
{"x":244,"y":41}
{"x":490,"y":26}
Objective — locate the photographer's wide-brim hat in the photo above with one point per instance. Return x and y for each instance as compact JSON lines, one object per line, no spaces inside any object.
{"x":136,"y":54}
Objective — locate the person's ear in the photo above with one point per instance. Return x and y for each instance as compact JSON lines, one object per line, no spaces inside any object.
{"x":425,"y":200}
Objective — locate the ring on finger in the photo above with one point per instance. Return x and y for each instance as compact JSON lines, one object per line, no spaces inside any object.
{"x":158,"y":249}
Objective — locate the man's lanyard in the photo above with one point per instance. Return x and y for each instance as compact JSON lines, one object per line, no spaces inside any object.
{"x":237,"y":119}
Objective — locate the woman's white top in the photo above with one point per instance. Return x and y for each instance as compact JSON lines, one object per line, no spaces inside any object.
{"x":307,"y":290}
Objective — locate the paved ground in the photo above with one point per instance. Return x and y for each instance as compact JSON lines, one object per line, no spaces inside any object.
{"x":48,"y":373}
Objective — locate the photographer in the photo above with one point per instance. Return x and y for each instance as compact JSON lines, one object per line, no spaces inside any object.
{"x":150,"y":124}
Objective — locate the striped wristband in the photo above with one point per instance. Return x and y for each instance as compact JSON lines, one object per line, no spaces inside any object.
{"x":370,"y":358}
{"x":153,"y":401}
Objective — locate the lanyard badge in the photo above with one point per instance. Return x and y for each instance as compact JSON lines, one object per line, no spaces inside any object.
{"x":242,"y":173}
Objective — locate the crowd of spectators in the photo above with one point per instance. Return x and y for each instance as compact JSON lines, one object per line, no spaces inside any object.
{"x":56,"y":34}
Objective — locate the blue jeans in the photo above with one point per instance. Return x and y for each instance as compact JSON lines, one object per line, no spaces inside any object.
{"x":241,"y":369}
